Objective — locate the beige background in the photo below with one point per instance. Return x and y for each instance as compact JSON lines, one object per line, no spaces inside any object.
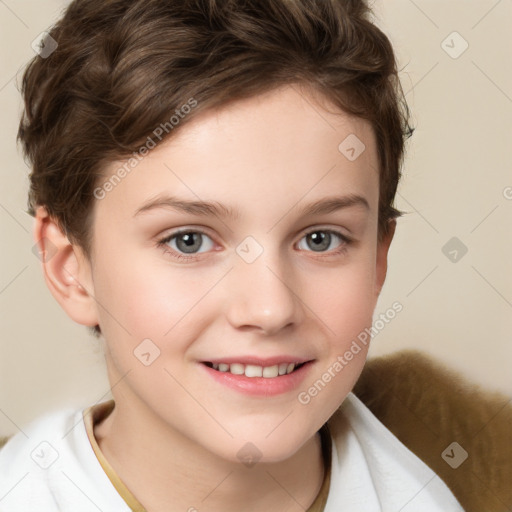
{"x":457,"y":183}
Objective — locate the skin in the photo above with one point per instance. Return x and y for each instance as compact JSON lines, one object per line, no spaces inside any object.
{"x":174,"y":434}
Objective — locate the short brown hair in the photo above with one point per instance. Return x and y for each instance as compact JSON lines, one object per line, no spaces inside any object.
{"x":123,"y":67}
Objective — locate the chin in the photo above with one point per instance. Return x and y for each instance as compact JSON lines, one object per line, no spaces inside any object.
{"x":260,"y":449}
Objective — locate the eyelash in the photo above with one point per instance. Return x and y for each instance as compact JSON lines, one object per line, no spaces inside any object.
{"x":162,"y":243}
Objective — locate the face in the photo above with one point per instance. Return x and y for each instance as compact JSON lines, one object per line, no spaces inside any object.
{"x":247,"y":242}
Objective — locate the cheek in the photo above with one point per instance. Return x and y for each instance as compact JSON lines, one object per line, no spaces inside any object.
{"x":148,"y":299}
{"x":345,"y":301}
{"x":163,"y":304}
{"x":346,"y":308}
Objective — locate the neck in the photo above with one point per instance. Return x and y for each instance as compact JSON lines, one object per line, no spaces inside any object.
{"x":167,"y":471}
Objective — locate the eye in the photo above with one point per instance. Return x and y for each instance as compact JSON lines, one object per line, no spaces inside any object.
{"x":186,"y":244}
{"x":325,"y":240}
{"x":189,"y":242}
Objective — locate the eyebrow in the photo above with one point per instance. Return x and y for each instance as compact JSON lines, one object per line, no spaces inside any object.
{"x":209,"y":208}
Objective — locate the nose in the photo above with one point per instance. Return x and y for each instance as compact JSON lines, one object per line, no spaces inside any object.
{"x":261,"y":295}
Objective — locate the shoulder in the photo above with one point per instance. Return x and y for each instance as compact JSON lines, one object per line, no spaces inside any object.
{"x":42,"y":432}
{"x":460,"y":431}
{"x":50,"y":465}
{"x":32,"y":458}
{"x":379,"y":472}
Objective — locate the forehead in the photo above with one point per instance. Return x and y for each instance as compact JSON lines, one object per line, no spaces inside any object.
{"x":281,"y":144}
{"x":290,"y":122}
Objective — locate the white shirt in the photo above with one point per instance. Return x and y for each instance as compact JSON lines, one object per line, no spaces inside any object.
{"x":55,"y":469}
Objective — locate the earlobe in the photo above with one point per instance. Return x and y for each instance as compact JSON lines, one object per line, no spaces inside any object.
{"x":382,"y":257}
{"x":66,"y":270}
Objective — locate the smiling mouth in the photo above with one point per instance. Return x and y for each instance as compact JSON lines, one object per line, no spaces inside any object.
{"x":251,"y":370}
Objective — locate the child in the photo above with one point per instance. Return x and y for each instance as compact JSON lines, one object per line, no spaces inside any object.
{"x":213,"y":186}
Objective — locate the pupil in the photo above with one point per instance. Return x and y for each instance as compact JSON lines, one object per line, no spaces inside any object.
{"x":189,"y":242}
{"x":321,"y":240}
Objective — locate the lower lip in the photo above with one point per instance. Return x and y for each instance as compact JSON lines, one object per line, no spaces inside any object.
{"x":261,"y":386}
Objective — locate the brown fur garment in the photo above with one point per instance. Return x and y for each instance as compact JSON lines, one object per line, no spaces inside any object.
{"x":427,"y":407}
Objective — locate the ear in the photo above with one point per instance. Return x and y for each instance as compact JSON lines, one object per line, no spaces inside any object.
{"x":66,"y":270}
{"x":382,"y":258}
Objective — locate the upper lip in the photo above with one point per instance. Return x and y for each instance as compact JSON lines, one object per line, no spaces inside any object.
{"x":258,"y":361}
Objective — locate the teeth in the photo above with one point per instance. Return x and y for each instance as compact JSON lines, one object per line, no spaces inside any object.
{"x":271,"y":371}
{"x":251,"y":370}
{"x":282,"y":368}
{"x":237,"y":369}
